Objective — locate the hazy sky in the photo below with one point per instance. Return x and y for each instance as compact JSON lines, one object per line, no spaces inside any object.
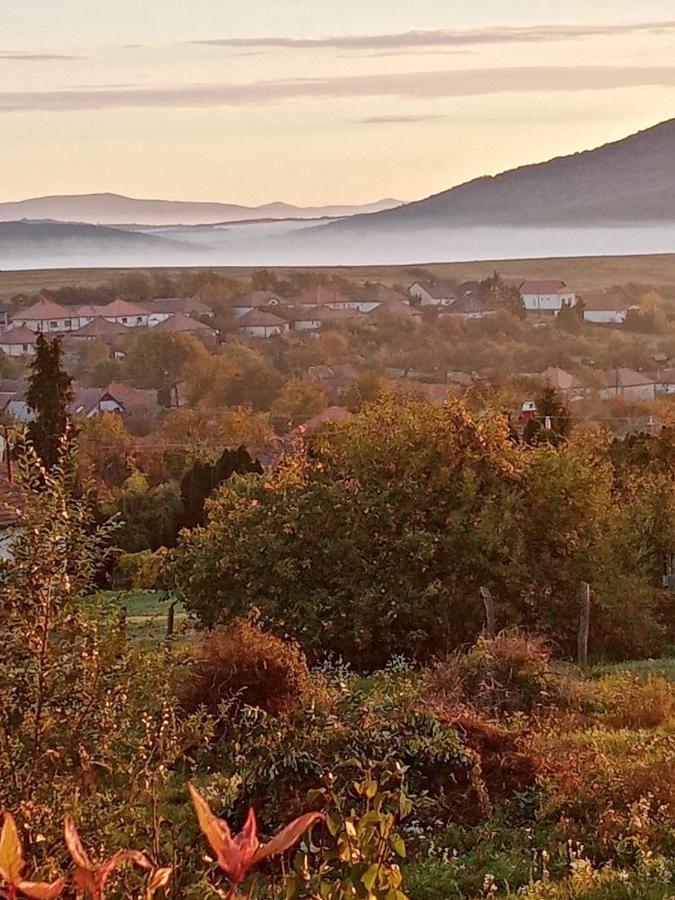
{"x":317,"y":101}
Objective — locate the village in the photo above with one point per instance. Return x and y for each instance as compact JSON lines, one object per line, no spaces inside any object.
{"x":263,"y":317}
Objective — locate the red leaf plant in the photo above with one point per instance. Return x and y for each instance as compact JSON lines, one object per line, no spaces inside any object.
{"x":12,"y":865}
{"x":237,"y":855}
{"x":92,"y":878}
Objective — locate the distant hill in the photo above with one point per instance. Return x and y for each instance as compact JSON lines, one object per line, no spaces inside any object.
{"x":629,"y":181}
{"x":115,"y":209}
{"x":57,"y":244}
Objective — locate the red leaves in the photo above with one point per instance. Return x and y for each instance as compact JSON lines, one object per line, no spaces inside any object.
{"x":89,"y":877}
{"x":237,"y":855}
{"x":12,"y":865}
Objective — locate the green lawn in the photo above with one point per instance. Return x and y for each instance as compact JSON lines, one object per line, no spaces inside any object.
{"x":147,"y":612}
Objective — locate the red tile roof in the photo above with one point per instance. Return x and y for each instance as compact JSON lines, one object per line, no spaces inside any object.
{"x":623,"y":378}
{"x":320,"y":296}
{"x":45,"y":309}
{"x":258,"y":318}
{"x":334,"y":414}
{"x":100,"y":327}
{"x":120,"y":308}
{"x":255,"y":299}
{"x":180,"y":323}
{"x":609,"y":301}
{"x":20,"y":335}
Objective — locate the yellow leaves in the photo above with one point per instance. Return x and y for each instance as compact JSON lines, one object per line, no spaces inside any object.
{"x":12,"y":866}
{"x":11,"y":855}
{"x":159,"y":879}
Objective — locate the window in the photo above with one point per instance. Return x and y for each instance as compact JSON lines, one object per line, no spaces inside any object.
{"x":139,"y":320}
{"x":53,"y":324}
{"x":25,"y":348}
{"x":124,"y":320}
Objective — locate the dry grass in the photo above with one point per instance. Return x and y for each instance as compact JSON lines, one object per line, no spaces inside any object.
{"x":585,"y":273}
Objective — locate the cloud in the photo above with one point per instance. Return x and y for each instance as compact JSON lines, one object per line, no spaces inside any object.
{"x":410,"y":85}
{"x":395,"y":120}
{"x":446,"y":37}
{"x":26,"y":56}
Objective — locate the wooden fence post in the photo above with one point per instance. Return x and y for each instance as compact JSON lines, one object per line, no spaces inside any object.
{"x":170,"y":619}
{"x":584,"y":623}
{"x":489,"y":604}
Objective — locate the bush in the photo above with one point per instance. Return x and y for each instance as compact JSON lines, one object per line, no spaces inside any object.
{"x":143,"y":571}
{"x":244,"y":664}
{"x":508,"y":673}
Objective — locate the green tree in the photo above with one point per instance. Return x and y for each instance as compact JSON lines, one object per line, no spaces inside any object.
{"x":156,"y":360}
{"x":297,"y":402}
{"x":49,"y":394}
{"x":365,"y":388}
{"x":553,"y":422}
{"x":201,"y":480}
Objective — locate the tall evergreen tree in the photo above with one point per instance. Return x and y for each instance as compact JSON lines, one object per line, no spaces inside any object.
{"x":49,"y":394}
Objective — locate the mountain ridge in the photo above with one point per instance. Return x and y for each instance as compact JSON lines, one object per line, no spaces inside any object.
{"x":107,"y":208}
{"x":619,"y":182}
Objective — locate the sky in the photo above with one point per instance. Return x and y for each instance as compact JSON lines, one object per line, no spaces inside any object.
{"x":317,"y":101}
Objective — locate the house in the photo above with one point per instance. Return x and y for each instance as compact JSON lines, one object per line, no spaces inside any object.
{"x":563,"y":381}
{"x":90,"y":402}
{"x":396,"y":309}
{"x":160,"y":309}
{"x":256,"y":300}
{"x":665,"y":381}
{"x":101,"y":329}
{"x":333,"y":380}
{"x":331,"y":414}
{"x":468,"y":306}
{"x":47,"y":316}
{"x":13,"y":400}
{"x":548,"y":297}
{"x":371,"y":294}
{"x":628,"y":384}
{"x":18,"y":342}
{"x":124,"y":313}
{"x":260,"y":324}
{"x":432,"y":293}
{"x":303,"y":318}
{"x":607,"y":308}
{"x":323,"y":297}
{"x":179,"y":323}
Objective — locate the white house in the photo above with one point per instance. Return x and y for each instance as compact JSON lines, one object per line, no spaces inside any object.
{"x":370,"y":295}
{"x":161,"y":309}
{"x":628,"y":384}
{"x":665,"y":383}
{"x":123,"y":312}
{"x":257,"y":323}
{"x":547,"y":297}
{"x":304,"y":318}
{"x":432,"y":293}
{"x":607,"y":308}
{"x":18,"y":342}
{"x":47,"y":316}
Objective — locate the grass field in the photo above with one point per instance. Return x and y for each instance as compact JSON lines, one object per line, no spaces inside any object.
{"x":582,"y":273}
{"x":146,"y":613}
